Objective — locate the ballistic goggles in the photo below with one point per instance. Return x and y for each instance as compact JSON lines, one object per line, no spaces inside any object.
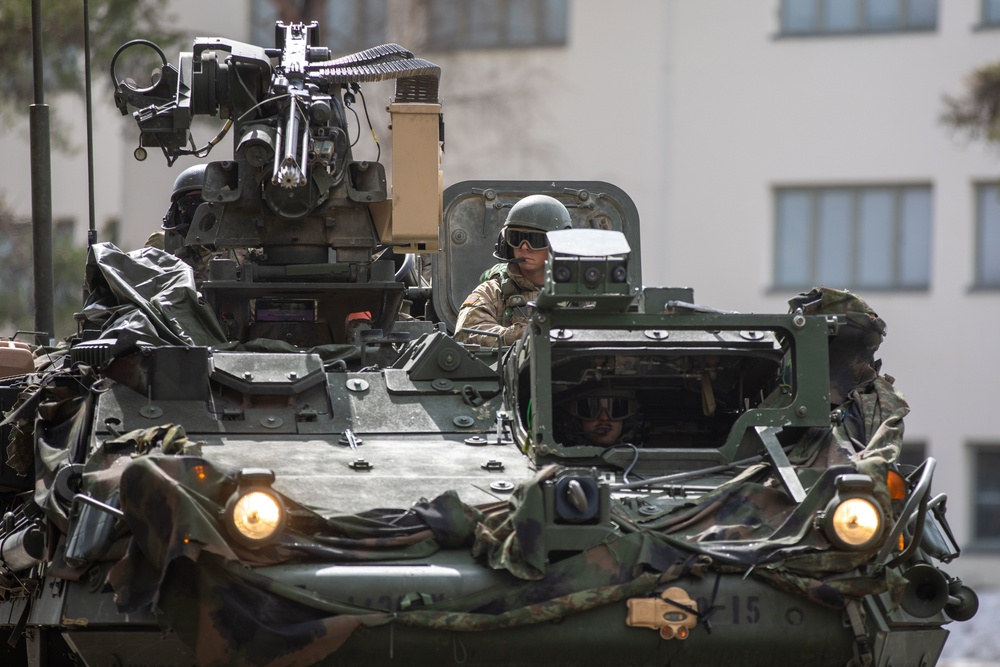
{"x":616,"y":407}
{"x":536,"y":239}
{"x":181,"y":212}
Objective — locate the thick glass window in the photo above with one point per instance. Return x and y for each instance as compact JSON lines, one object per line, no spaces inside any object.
{"x":986,"y":495}
{"x":821,"y":17}
{"x":988,"y":235}
{"x":872,"y":237}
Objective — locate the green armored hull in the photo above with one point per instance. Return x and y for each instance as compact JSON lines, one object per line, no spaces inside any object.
{"x":437,"y":511}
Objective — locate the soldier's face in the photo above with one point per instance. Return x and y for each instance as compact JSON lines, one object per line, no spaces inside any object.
{"x":533,"y":259}
{"x":603,"y":430}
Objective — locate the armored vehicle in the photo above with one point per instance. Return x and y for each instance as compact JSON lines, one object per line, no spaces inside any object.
{"x":255,"y":457}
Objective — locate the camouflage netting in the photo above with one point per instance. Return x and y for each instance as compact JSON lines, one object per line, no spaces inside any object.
{"x":149,"y":297}
{"x":171,"y":550}
{"x":149,"y":293}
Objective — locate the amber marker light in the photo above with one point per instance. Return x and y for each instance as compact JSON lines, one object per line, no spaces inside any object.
{"x":897,"y":485}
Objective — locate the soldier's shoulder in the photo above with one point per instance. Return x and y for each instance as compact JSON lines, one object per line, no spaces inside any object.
{"x":485,"y":292}
{"x":496,"y":272}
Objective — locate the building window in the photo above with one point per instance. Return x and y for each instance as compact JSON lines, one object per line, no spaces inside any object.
{"x":991,"y":13}
{"x":988,"y":235}
{"x":496,"y":24}
{"x":871,"y":237}
{"x":913,"y":453}
{"x":986,"y":495}
{"x":346,"y":26}
{"x":824,"y":17}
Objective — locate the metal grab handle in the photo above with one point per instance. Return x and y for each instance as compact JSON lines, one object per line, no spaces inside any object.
{"x":919,"y":496}
{"x":494,"y":334}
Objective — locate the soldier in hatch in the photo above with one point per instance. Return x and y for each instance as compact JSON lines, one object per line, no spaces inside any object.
{"x":599,"y":417}
{"x":184,"y":200}
{"x":499,"y":305}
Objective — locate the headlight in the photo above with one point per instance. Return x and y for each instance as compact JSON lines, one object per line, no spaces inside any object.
{"x":853,"y":520}
{"x":257,"y":515}
{"x":857,"y":521}
{"x":254,"y":514}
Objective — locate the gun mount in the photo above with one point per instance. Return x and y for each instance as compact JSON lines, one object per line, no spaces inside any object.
{"x":315,"y":228}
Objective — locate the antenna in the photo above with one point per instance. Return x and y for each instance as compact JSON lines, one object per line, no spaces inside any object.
{"x":92,"y":229}
{"x":41,"y":190}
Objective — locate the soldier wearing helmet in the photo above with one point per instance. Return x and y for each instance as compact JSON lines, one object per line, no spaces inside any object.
{"x":185,"y":199}
{"x":499,"y":305}
{"x":600,"y":416}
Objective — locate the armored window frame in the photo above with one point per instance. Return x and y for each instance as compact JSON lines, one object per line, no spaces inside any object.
{"x":871,"y":237}
{"x":987,"y":241}
{"x":812,"y":18}
{"x":804,"y":339}
{"x":662,"y":378}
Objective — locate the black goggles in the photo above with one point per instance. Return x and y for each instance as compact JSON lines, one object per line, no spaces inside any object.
{"x":181,"y":212}
{"x":536,"y":240}
{"x":616,"y":407}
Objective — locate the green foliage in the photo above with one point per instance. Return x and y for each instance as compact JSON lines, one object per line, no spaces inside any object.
{"x":17,"y":310}
{"x":977,"y":112}
{"x":112,"y":23}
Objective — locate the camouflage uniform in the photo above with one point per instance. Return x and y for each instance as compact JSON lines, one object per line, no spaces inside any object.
{"x":499,"y":305}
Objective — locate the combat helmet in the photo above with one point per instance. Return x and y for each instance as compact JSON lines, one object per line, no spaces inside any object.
{"x":189,"y":181}
{"x":541,"y":212}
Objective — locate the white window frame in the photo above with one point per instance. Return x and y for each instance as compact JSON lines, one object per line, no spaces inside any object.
{"x":978,"y":497}
{"x":813,"y":229}
{"x":987,"y":240}
{"x":905,"y":22}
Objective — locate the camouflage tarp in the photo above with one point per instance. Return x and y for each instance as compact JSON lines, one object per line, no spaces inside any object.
{"x":149,"y":297}
{"x":149,"y":293}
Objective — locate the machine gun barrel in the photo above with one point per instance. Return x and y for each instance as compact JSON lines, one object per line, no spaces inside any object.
{"x":290,"y":170}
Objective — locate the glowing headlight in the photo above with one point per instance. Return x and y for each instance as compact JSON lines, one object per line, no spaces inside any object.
{"x":857,"y":521}
{"x":254,"y":514}
{"x":853,"y":520}
{"x":257,"y":515}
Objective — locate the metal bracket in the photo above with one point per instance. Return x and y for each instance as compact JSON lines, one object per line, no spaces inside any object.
{"x":768,"y":435}
{"x":503,"y":434}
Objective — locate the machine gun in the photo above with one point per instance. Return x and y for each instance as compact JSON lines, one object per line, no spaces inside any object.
{"x":317,"y":224}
